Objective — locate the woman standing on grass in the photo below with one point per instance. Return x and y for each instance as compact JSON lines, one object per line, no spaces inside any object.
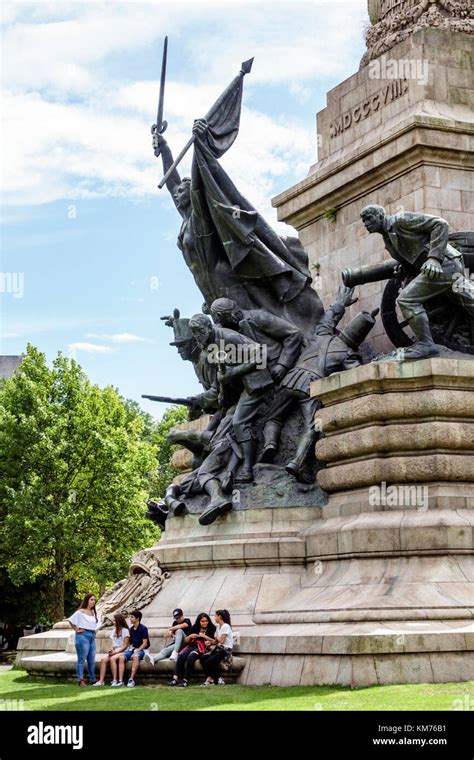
{"x":85,"y":622}
{"x":120,"y":639}
{"x":224,"y":644}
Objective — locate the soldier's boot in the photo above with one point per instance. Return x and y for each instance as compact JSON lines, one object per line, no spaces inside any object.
{"x":425,"y":345}
{"x":271,"y":439}
{"x":176,"y":506}
{"x":157,"y":513}
{"x":297,"y":465}
{"x":220,"y":502}
{"x":245,"y":472}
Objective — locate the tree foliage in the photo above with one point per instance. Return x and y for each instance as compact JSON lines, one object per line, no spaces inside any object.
{"x":76,"y":466}
{"x":165,"y":471}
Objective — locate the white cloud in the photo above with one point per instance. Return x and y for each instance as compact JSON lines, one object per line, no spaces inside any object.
{"x":118,"y":337}
{"x":299,"y":42}
{"x":72,"y":130}
{"x":73,"y":152}
{"x":79,"y":153}
{"x":40,"y":323}
{"x":90,"y":348}
{"x":62,"y":53}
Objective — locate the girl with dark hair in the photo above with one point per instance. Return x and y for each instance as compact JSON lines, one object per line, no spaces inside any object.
{"x":198,"y":641}
{"x":120,"y":639}
{"x":85,"y":623}
{"x":224,"y":639}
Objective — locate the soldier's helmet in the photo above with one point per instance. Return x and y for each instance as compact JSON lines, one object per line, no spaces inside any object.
{"x":181,"y":329}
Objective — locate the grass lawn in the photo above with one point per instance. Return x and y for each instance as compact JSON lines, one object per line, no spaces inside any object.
{"x":46,"y":695}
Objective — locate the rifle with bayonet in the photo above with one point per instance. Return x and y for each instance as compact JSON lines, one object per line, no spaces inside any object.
{"x":168,"y":400}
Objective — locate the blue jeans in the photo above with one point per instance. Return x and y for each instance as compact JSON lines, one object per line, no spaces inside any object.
{"x":85,"y":648}
{"x":176,"y":646}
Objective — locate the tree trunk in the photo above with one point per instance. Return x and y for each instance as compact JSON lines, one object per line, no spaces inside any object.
{"x":56,"y":590}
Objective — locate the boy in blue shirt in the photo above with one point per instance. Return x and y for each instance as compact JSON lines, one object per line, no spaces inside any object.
{"x":139,"y":641}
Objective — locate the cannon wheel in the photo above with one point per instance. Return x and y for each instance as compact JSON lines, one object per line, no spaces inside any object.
{"x":451,"y":325}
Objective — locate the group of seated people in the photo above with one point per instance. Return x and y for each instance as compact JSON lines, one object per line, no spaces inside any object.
{"x":210,"y":644}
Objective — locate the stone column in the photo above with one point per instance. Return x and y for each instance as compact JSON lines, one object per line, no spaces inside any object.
{"x":395,"y":541}
{"x":406,"y":143}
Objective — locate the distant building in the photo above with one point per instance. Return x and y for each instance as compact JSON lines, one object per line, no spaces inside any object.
{"x":8,"y":365}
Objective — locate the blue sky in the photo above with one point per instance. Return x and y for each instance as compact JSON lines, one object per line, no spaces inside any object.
{"x":82,"y":218}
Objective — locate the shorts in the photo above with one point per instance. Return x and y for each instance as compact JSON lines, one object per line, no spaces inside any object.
{"x":130,"y":652}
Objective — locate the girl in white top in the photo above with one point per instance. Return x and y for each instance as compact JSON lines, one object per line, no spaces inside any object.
{"x":120,"y":637}
{"x":225,"y":641}
{"x":85,"y":623}
{"x":224,"y":635}
{"x":82,"y":621}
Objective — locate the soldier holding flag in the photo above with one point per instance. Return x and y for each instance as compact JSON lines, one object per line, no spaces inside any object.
{"x":230,"y":249}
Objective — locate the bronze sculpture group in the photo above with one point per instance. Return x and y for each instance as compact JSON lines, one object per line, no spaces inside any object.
{"x":263,"y":336}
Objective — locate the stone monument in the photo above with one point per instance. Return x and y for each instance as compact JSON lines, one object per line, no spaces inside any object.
{"x":326,"y":494}
{"x":399,"y":133}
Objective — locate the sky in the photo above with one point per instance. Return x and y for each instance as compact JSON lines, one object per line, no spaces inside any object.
{"x":89,"y":261}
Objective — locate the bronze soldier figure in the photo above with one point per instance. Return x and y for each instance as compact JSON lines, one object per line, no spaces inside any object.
{"x":419,"y":242}
{"x":326,"y":353}
{"x":237,"y":356}
{"x":281,"y":338}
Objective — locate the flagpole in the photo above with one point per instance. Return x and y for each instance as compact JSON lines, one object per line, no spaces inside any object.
{"x":245,"y":69}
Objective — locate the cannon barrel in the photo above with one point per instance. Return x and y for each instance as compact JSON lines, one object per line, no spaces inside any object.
{"x":361,"y":275}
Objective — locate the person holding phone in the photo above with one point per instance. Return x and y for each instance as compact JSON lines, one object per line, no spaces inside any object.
{"x":198,"y":641}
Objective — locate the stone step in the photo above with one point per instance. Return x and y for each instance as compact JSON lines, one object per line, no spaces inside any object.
{"x":63,"y":665}
{"x":42,"y":643}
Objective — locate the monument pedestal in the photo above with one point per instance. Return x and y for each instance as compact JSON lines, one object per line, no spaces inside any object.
{"x":377,"y":586}
{"x":406,"y":143}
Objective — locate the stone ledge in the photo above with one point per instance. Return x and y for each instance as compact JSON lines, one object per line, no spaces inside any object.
{"x":53,"y":639}
{"x":353,"y":654}
{"x":238,"y":525}
{"x":374,"y":615}
{"x":246,"y":552}
{"x":380,"y":642}
{"x":360,"y":670}
{"x":398,"y":468}
{"x":383,"y":377}
{"x":334,"y":669}
{"x":392,"y":532}
{"x":440,"y":495}
{"x":365,"y":146}
{"x":345,"y":179}
{"x":63,"y":665}
{"x":397,"y":408}
{"x":423,"y":435}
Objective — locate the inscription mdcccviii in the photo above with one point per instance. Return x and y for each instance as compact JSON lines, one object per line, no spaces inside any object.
{"x":385,"y":95}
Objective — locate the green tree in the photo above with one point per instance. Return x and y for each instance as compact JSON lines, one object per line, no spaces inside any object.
{"x":74,"y":478}
{"x":29,"y":603}
{"x":165,"y":471}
